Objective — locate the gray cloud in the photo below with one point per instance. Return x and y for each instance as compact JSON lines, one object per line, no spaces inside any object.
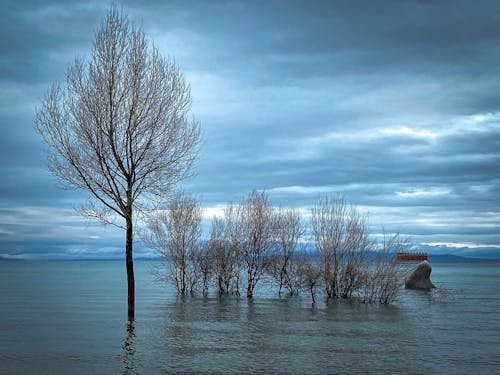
{"x":394,"y":104}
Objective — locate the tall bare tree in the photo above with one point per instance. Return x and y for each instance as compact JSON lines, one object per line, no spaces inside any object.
{"x":119,"y":128}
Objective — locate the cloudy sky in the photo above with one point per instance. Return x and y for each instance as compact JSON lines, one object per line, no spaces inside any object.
{"x":394,"y":104}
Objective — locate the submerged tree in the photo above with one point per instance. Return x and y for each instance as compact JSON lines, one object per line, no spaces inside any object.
{"x":287,"y":232}
{"x":309,"y":273}
{"x":341,"y":238}
{"x":175,"y":233}
{"x":257,"y":235}
{"x":225,"y":247}
{"x":203,"y":262}
{"x":382,"y":276}
{"x":119,"y":129}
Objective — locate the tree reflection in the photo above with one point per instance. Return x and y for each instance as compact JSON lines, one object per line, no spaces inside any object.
{"x":128,"y":350}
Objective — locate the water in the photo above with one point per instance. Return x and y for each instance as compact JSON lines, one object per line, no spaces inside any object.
{"x":70,"y":317}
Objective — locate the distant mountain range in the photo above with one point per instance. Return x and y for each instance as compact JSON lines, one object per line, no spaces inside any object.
{"x":448,"y":258}
{"x":433,"y":258}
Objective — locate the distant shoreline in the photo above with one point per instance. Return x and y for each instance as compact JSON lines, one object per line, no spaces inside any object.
{"x":433,"y":258}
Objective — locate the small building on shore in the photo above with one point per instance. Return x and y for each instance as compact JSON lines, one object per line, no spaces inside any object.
{"x":411,"y":256}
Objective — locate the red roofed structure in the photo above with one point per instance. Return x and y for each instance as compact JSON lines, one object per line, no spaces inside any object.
{"x":411,"y":257}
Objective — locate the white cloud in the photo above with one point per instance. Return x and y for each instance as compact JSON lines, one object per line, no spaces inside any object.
{"x":365,"y":136}
{"x":15,"y":256}
{"x":209,"y":212}
{"x":461,"y":245}
{"x":406,"y":131}
{"x":433,"y":192}
{"x":480,"y":118}
{"x":303,"y":189}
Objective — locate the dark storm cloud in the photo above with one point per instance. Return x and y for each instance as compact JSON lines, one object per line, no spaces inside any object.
{"x":273,"y":43}
{"x":35,"y":35}
{"x":383,"y":32}
{"x":394,"y":104}
{"x":472,"y":157}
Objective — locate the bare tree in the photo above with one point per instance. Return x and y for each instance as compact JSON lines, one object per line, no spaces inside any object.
{"x":225,"y":246}
{"x":383,"y":276}
{"x":204,"y":264}
{"x":119,"y":129}
{"x":219,"y":249}
{"x":175,"y":234}
{"x":309,"y":272}
{"x":287,"y":232}
{"x":341,"y":238}
{"x":353,"y":253}
{"x":257,"y":234}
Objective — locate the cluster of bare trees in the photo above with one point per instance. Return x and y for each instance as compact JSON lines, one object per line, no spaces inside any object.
{"x":119,"y":129}
{"x":254,"y":241}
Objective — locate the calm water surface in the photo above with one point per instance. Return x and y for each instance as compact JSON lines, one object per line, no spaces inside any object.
{"x":70,"y":317}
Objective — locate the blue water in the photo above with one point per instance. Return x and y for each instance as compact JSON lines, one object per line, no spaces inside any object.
{"x":70,"y":317}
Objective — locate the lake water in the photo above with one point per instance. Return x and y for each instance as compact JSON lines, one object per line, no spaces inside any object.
{"x":70,"y":318}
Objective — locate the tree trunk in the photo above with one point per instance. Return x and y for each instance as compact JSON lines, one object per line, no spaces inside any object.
{"x":311,"y":287}
{"x":130,"y":267}
{"x":250,"y":289}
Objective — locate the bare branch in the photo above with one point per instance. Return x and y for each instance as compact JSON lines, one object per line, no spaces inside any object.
{"x":120,"y":124}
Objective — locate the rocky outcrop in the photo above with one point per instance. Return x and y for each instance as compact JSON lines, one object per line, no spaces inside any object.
{"x":420,"y":278}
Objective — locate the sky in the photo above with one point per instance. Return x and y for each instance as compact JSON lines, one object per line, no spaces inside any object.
{"x":393,"y":104}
